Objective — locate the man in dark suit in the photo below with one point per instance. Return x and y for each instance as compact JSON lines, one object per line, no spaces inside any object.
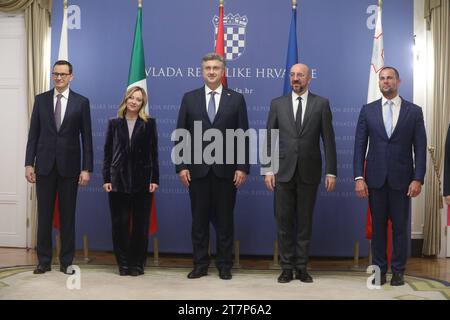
{"x":60,"y":116}
{"x":393,"y":128}
{"x":447,"y":168}
{"x":302,"y":118}
{"x":212,"y":182}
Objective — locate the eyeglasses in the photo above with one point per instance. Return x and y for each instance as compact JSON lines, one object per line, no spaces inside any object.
{"x":62,"y":75}
{"x":299,"y":75}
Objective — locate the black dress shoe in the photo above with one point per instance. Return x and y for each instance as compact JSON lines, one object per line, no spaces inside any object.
{"x":303,"y":276}
{"x":124,"y":271}
{"x":134,"y":272}
{"x":285,"y":276}
{"x":382,"y":280}
{"x":40,"y":269}
{"x":197,"y":273}
{"x":397,"y":279}
{"x":66,"y":270}
{"x":225,"y":274}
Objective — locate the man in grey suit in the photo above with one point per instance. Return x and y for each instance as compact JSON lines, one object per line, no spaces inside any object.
{"x":302,"y":118}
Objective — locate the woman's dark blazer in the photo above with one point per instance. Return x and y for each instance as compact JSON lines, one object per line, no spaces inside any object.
{"x":130,"y":166}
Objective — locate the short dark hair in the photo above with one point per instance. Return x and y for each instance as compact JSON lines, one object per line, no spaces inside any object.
{"x":392,"y":68}
{"x":63,"y":63}
{"x":214,"y":56}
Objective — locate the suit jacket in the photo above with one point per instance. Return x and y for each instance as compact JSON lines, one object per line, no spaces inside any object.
{"x":231,"y":114}
{"x":46,"y":146}
{"x":447,"y":165}
{"x":390,"y":159}
{"x":302,"y":148}
{"x":130,"y":166}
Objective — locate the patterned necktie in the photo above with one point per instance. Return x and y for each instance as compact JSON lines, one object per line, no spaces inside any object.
{"x":298,"y":115}
{"x":388,"y":120}
{"x":58,"y":111}
{"x":212,"y":107}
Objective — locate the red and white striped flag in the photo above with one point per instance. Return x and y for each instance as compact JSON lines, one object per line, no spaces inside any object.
{"x":373,"y":93}
{"x":63,"y":54}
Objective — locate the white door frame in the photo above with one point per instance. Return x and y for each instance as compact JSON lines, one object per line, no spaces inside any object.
{"x":13,"y":131}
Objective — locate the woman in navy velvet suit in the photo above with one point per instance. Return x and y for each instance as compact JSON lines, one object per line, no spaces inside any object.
{"x":131,"y":175}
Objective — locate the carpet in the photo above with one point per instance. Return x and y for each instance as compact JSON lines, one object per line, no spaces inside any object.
{"x":161,"y":283}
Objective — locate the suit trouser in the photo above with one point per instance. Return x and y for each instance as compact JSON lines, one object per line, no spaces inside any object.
{"x":385,"y":203}
{"x":294,"y":207}
{"x":46,"y":188}
{"x":130,"y":216}
{"x":212,"y":199}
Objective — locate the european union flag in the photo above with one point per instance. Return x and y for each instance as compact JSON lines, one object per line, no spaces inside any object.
{"x":292,"y":55}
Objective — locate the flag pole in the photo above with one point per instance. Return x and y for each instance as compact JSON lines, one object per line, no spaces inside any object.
{"x":292,"y":49}
{"x":220,"y":44}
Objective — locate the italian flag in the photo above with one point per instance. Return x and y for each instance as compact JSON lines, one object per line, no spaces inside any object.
{"x":136,"y":74}
{"x":138,"y":77}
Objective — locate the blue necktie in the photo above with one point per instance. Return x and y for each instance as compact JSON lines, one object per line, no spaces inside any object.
{"x":388,"y":124}
{"x":212,"y":106}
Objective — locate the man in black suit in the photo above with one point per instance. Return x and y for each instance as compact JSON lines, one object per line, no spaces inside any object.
{"x":302,"y":118}
{"x":60,"y":116}
{"x":212,"y":184}
{"x":447,"y":168}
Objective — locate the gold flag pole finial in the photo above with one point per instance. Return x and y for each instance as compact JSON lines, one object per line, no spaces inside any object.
{"x":380,"y":3}
{"x":65,"y":4}
{"x":221,"y":3}
{"x":294,"y":4}
{"x":140,"y":3}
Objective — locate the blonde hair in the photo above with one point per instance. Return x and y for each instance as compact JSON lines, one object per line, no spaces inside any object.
{"x":123,"y":105}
